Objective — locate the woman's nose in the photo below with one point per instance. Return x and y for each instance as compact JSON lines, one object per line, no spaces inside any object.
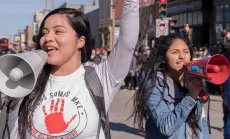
{"x":181,"y":55}
{"x":48,"y":37}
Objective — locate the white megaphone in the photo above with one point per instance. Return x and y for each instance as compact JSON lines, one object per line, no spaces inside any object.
{"x":19,"y":72}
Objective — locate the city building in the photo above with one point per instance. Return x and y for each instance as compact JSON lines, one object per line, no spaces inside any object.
{"x":221,"y":18}
{"x":29,"y":34}
{"x":89,"y":8}
{"x":16,"y":38}
{"x":92,"y":13}
{"x":38,"y":17}
{"x":93,"y":16}
{"x":106,"y":23}
{"x":198,"y":14}
{"x":67,"y":5}
{"x":22,"y":41}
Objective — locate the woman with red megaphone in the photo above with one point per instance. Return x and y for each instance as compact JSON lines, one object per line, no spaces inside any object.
{"x":167,"y":99}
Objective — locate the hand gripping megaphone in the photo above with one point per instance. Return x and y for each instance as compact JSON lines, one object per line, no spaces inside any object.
{"x":214,"y":69}
{"x":19,"y":72}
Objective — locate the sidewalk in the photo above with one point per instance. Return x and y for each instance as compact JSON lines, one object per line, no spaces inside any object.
{"x":121,"y":108}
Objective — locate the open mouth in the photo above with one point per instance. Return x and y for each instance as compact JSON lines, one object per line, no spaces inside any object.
{"x":51,"y":49}
{"x":180,"y":64}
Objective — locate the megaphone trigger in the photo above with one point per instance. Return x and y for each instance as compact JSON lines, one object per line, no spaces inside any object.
{"x":203,"y":96}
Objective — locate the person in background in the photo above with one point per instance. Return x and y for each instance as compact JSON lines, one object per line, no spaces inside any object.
{"x":93,"y":53}
{"x":225,"y":42}
{"x":4,"y":43}
{"x":10,"y":46}
{"x":98,"y":51}
{"x":200,"y":53}
{"x":225,"y":88}
{"x":26,"y":50}
{"x":206,"y":52}
{"x":195,"y":53}
{"x":104,"y":55}
{"x":130,"y":79}
{"x":17,"y":48}
{"x":145,"y":55}
{"x":144,"y":61}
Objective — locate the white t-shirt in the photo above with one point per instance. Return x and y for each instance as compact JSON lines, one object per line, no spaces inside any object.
{"x":66,"y":110}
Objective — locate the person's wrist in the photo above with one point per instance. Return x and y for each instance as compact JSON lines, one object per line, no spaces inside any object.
{"x":195,"y":97}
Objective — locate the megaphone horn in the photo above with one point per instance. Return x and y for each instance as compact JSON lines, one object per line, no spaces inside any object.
{"x":19,"y":72}
{"x":214,"y":69}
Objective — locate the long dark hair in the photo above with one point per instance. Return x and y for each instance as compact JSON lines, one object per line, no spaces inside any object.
{"x":80,"y":24}
{"x":156,"y":64}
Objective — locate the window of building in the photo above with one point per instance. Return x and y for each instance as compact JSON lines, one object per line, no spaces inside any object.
{"x":190,"y":19}
{"x":219,"y":29}
{"x":181,"y":23}
{"x":227,"y":25}
{"x":219,"y":13}
{"x":176,"y":17}
{"x":185,"y":18}
{"x":194,"y":17}
{"x":200,"y":17}
{"x":227,"y":12}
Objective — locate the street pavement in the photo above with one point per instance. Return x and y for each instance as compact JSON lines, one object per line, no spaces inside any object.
{"x":122,"y":127}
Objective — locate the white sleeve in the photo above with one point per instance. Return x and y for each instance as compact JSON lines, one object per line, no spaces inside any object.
{"x":113,"y":71}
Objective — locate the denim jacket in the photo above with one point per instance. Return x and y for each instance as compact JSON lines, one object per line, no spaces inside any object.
{"x":168,"y":111}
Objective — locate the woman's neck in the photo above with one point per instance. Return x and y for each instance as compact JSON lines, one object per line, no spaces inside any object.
{"x":66,"y":68}
{"x":177,"y":77}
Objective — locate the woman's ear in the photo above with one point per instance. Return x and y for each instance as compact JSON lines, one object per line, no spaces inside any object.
{"x":81,"y":42}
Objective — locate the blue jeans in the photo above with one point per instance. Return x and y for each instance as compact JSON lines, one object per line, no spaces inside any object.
{"x":227,"y":128}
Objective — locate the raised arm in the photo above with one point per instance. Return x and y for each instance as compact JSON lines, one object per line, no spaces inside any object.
{"x":120,"y":58}
{"x":115,"y":68}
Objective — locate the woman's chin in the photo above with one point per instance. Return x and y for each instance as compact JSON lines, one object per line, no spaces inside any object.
{"x":53,"y":62}
{"x":180,"y":70}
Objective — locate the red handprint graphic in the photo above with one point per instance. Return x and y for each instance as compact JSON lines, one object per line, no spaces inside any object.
{"x":55,"y":120}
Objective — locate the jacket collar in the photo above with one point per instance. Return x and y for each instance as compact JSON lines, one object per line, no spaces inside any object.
{"x":173,"y":90}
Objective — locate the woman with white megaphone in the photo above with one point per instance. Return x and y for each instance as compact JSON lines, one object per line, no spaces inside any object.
{"x":62,"y":104}
{"x":168,"y":101}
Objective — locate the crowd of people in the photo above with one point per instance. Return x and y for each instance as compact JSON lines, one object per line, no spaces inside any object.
{"x":166,"y":102}
{"x":12,"y":48}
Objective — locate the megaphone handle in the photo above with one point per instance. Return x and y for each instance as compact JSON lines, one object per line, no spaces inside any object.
{"x":203,"y":96}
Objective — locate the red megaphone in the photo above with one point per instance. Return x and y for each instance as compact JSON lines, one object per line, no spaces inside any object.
{"x":214,"y":69}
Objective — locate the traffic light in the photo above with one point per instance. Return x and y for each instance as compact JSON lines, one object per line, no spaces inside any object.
{"x":162,"y":8}
{"x":172,"y":26}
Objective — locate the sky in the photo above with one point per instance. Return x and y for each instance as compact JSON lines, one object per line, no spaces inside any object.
{"x":15,"y":15}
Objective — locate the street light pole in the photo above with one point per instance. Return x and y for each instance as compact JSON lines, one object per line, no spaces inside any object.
{"x":187,"y":13}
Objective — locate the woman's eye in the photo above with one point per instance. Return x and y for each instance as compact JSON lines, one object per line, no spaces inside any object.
{"x":186,"y":52}
{"x":58,"y":32}
{"x":44,"y":33}
{"x":174,"y":52}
